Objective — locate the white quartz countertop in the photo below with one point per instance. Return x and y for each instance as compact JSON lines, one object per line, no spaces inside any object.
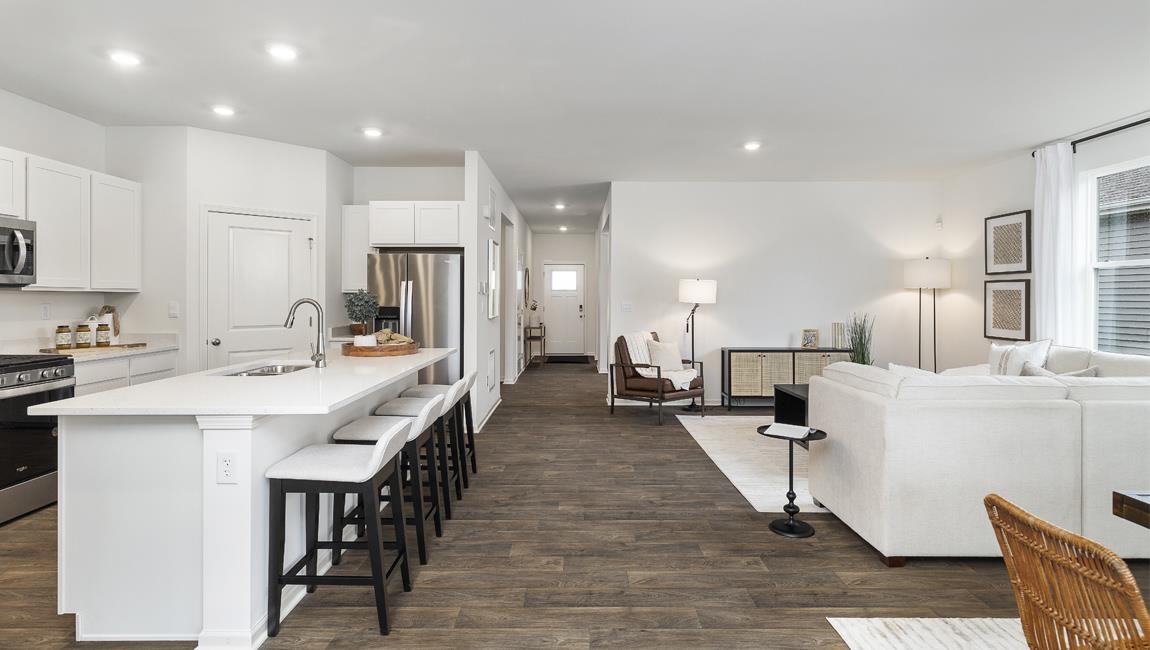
{"x":96,"y":354}
{"x":306,"y":392}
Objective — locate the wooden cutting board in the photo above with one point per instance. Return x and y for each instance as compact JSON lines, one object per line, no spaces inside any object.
{"x":350,"y":350}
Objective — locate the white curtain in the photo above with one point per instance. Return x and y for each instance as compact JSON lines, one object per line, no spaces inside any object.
{"x":1062,"y":272}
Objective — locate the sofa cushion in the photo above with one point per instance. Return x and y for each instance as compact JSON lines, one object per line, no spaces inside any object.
{"x":1009,"y":359}
{"x":981,"y":370}
{"x":665,"y":355}
{"x":1031,"y":370}
{"x":1082,"y":389}
{"x":908,"y":371}
{"x":868,"y":378}
{"x":981,"y":388}
{"x":1062,"y":359}
{"x":1112,"y":364}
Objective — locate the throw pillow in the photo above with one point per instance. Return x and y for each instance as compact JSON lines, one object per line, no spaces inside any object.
{"x":908,"y":371}
{"x":665,"y":355}
{"x":1031,"y":370}
{"x":1009,"y":359}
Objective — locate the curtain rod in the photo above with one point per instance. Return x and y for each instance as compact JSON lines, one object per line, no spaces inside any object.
{"x":1074,"y":143}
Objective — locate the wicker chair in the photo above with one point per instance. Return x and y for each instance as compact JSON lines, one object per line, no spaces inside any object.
{"x":1071,"y":592}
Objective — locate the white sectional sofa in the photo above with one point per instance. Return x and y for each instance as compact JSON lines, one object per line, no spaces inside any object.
{"x":908,"y":459}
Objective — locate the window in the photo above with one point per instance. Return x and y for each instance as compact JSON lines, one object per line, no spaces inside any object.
{"x":1122,"y":267}
{"x":563,"y":281}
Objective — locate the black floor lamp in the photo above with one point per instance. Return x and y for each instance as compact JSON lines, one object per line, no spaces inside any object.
{"x":933,"y":274}
{"x":696,"y":292}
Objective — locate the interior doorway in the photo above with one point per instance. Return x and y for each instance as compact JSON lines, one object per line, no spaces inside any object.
{"x":564,"y":309}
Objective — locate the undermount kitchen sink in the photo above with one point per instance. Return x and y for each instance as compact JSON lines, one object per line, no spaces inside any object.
{"x":268,"y":371}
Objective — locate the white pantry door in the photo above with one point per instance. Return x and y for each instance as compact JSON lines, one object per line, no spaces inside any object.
{"x":257,"y":267}
{"x":563,"y":308}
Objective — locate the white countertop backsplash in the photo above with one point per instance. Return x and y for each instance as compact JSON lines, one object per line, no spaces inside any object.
{"x":155,"y":343}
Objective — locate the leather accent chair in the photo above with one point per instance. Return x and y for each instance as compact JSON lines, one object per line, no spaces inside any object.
{"x":627,"y":383}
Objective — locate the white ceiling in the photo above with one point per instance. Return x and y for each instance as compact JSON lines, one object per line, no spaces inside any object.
{"x":563,"y":96}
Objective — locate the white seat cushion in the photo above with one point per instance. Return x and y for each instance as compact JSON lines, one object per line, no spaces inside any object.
{"x":406,"y":406}
{"x":1082,"y":389}
{"x":997,"y":387}
{"x":1063,"y":359}
{"x":1112,"y":364}
{"x":372,"y":428}
{"x":426,"y":390}
{"x":346,"y":463}
{"x":981,"y":370}
{"x":868,"y":378}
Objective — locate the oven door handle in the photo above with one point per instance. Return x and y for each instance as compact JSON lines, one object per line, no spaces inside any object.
{"x":37,"y":388}
{"x":23,"y":257}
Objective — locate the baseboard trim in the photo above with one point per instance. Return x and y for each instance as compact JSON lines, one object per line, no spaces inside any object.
{"x":479,"y":427}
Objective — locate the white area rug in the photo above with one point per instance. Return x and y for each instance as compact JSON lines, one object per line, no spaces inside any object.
{"x":755,"y":465}
{"x":930,"y":633}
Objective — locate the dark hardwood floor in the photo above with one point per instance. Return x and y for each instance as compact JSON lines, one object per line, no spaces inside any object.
{"x":583,"y":530}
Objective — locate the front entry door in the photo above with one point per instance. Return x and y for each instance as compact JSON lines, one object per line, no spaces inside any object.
{"x":257,"y":267}
{"x":563,"y":308}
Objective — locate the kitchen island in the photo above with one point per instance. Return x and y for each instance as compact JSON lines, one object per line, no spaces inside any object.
{"x":163,"y":524}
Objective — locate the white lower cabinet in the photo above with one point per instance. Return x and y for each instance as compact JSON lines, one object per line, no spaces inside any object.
{"x":105,"y":374}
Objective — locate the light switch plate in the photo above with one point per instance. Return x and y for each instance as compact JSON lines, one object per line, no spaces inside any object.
{"x":626,"y":306}
{"x":173,"y":309}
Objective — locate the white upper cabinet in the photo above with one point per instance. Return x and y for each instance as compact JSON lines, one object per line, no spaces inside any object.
{"x":356,"y":239}
{"x":115,"y":233}
{"x":12,"y":183}
{"x":437,"y":223}
{"x":407,"y":223}
{"x":59,"y":201}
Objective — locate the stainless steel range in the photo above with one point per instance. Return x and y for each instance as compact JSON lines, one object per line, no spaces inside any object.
{"x":28,"y":442}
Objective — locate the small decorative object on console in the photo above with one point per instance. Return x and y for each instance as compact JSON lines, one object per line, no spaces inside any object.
{"x":810,"y":338}
{"x":859,"y":333}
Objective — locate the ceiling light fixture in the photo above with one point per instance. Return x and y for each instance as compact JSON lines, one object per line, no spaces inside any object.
{"x":753,"y":145}
{"x":124,"y":58}
{"x":372,"y":132}
{"x":223,"y":111}
{"x":560,"y":206}
{"x":283,"y":52}
{"x":562,"y":228}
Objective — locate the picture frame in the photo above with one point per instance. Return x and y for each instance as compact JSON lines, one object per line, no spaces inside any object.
{"x":1009,"y":239}
{"x":492,"y":279}
{"x":810,"y":338}
{"x":1006,"y":310}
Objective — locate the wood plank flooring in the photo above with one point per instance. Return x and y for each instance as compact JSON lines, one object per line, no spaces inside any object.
{"x":583,"y":530}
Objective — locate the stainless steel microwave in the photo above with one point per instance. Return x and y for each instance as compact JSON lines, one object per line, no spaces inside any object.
{"x":17,"y":252}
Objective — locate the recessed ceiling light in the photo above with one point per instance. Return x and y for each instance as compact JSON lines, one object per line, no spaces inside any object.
{"x":560,"y":206}
{"x":753,"y":145}
{"x":282,"y":52}
{"x":372,"y":132}
{"x":562,"y":228}
{"x":223,"y":111}
{"x":124,"y":58}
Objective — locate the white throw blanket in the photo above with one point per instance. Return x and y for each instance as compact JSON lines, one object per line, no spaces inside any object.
{"x":641,"y":354}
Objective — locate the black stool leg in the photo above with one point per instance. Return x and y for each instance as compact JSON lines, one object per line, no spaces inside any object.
{"x":456,"y":459}
{"x":470,"y":433}
{"x":460,"y":441}
{"x":370,"y":498}
{"x":311,"y":526}
{"x":400,"y":530}
{"x":338,"y":505}
{"x":444,"y":474}
{"x":433,"y":485}
{"x":275,"y":554}
{"x":411,"y":450}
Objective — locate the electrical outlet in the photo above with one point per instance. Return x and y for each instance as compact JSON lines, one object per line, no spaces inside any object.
{"x":227,"y":469}
{"x":46,"y":311}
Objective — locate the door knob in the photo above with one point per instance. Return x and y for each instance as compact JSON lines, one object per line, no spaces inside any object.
{"x":215,"y":342}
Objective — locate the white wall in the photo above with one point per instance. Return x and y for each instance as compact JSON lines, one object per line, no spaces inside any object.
{"x":786,"y":256}
{"x":41,"y":130}
{"x":570,"y":249}
{"x":339,"y":187}
{"x":408,"y":184}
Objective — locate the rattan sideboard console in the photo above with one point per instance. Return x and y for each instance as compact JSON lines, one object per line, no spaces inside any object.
{"x":751,"y":373}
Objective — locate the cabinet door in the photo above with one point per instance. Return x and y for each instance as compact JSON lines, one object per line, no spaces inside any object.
{"x":59,"y":201}
{"x":115,"y":234}
{"x":391,"y":223}
{"x":835,"y":357}
{"x":746,"y":370}
{"x":356,"y":238}
{"x":12,"y":183}
{"x":778,"y":368}
{"x":437,"y":223}
{"x":807,"y":365}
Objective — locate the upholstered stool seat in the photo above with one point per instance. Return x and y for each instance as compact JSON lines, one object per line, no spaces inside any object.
{"x":462,"y":405}
{"x":370,"y":429}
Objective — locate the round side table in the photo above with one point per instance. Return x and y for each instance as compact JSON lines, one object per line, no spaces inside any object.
{"x":791,"y":527}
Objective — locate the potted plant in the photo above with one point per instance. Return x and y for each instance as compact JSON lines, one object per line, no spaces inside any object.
{"x":362,"y":308}
{"x":859,"y":332}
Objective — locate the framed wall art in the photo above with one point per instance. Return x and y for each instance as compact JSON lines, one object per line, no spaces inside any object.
{"x":1007,"y":310}
{"x":1008,"y":243}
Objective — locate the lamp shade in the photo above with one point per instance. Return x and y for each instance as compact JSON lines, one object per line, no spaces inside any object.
{"x":697,"y":291}
{"x":926,"y":274}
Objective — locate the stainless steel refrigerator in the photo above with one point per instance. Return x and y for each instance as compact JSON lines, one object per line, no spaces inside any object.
{"x":423,"y":293}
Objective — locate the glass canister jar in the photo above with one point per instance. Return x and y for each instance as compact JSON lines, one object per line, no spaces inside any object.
{"x":63,"y":337}
{"x":103,"y":335}
{"x":83,"y":335}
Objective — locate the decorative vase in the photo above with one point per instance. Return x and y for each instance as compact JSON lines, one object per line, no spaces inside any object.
{"x":362,"y":341}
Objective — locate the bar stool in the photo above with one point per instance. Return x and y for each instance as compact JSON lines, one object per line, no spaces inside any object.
{"x":365,"y":431}
{"x":337,"y":469}
{"x":464,"y":402}
{"x":448,"y":444}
